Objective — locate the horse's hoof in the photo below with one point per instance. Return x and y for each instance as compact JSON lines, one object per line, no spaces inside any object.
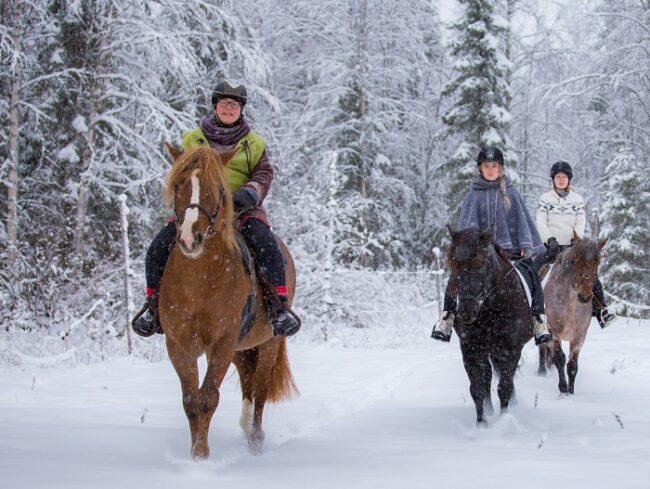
{"x":541,"y":373}
{"x":200,"y":452}
{"x":256,"y":442}
{"x":481,"y":423}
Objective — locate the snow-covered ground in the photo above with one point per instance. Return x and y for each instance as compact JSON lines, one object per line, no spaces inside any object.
{"x":367,"y":418}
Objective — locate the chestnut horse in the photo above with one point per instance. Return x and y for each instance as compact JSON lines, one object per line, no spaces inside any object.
{"x":493,"y":319}
{"x":202,"y":295}
{"x":567,"y":296}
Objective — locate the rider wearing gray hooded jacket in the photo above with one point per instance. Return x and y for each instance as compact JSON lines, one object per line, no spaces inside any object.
{"x":494,"y":204}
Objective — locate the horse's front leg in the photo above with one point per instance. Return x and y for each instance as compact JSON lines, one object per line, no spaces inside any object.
{"x":559,"y":360}
{"x":487,"y":382}
{"x":476,"y":362}
{"x":544,"y":352}
{"x":219,"y":359}
{"x":506,"y":366}
{"x":188,"y":374}
{"x":572,"y":367}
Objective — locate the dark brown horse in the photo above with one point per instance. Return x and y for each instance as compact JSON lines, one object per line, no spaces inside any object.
{"x":202,"y":295}
{"x":493,"y":319}
{"x":567,"y":296}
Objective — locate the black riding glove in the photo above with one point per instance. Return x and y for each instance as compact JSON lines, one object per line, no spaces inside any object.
{"x":245,"y":199}
{"x":553,"y":248}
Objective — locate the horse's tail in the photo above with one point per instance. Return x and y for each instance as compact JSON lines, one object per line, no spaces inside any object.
{"x":283,"y":387}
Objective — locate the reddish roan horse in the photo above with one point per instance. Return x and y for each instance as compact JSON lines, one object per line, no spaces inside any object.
{"x":202,"y":294}
{"x":567,"y":297}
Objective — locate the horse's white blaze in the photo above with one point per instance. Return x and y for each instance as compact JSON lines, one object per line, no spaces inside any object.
{"x":191,"y":215}
{"x":246,"y":418}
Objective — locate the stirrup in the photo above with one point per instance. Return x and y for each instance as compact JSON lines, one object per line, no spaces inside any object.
{"x":604,"y":318}
{"x":541,"y":330}
{"x":285,"y":323}
{"x":144,"y":323}
{"x":443,"y":327}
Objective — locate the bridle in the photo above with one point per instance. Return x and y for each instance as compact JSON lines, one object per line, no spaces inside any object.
{"x":485,"y":293}
{"x":212,"y":217}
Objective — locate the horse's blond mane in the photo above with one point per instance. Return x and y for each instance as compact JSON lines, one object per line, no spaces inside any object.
{"x":212,"y":176}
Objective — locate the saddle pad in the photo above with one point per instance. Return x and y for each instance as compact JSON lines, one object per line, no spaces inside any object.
{"x":524,"y":283}
{"x":548,"y":274}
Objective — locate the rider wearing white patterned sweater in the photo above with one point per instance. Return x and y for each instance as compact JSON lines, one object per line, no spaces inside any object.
{"x":560,"y":214}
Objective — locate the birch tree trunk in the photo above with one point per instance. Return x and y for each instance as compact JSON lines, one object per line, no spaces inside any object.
{"x":88,"y":151}
{"x":124,"y":212}
{"x":14,"y":133}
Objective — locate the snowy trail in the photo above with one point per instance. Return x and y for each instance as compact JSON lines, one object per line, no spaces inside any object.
{"x":366,"y":418}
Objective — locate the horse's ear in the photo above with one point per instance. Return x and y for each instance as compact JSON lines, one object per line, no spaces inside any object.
{"x":452,"y":231}
{"x":173,"y":151}
{"x":226,"y":156}
{"x":575,"y":238}
{"x":602,"y":243}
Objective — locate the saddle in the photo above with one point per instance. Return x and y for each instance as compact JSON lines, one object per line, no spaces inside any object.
{"x":273,"y":302}
{"x":249,"y":312}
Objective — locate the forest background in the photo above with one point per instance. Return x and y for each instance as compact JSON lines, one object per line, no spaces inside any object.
{"x":373,"y":110}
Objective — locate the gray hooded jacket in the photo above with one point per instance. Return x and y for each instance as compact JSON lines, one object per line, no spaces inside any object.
{"x":513,"y":229}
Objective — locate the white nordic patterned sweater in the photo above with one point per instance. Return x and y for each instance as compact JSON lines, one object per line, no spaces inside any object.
{"x":558,"y":217}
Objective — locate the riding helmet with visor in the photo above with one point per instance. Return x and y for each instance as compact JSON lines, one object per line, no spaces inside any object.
{"x":231,"y":90}
{"x":489,"y":153}
{"x":561,"y":167}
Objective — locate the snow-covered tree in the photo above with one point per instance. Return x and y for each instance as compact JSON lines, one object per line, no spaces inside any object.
{"x":367,"y":100}
{"x":480,"y":112}
{"x":625,"y":217}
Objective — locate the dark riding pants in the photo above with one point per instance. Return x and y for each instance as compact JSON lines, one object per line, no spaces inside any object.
{"x":598,"y":302}
{"x":528,"y":270}
{"x":258,"y":235}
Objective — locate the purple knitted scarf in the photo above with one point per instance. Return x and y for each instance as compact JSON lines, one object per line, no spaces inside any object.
{"x":223,"y":135}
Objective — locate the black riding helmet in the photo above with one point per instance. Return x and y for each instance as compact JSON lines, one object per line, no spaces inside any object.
{"x":561,"y":167}
{"x":490,"y":153}
{"x":225,"y":89}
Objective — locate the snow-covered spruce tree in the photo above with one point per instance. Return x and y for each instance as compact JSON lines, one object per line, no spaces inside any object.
{"x":396,"y":133}
{"x":625,"y":217}
{"x":480,"y":112}
{"x":618,"y":80}
{"x":367,"y":100}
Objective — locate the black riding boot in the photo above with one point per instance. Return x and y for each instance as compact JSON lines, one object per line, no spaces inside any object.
{"x":146,"y":322}
{"x":541,"y":330}
{"x":598,"y":306}
{"x":444,"y":326}
{"x":267,"y":253}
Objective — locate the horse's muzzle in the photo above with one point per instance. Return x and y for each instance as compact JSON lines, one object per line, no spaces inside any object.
{"x":193,"y":248}
{"x":585,"y":298}
{"x":468,"y":311}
